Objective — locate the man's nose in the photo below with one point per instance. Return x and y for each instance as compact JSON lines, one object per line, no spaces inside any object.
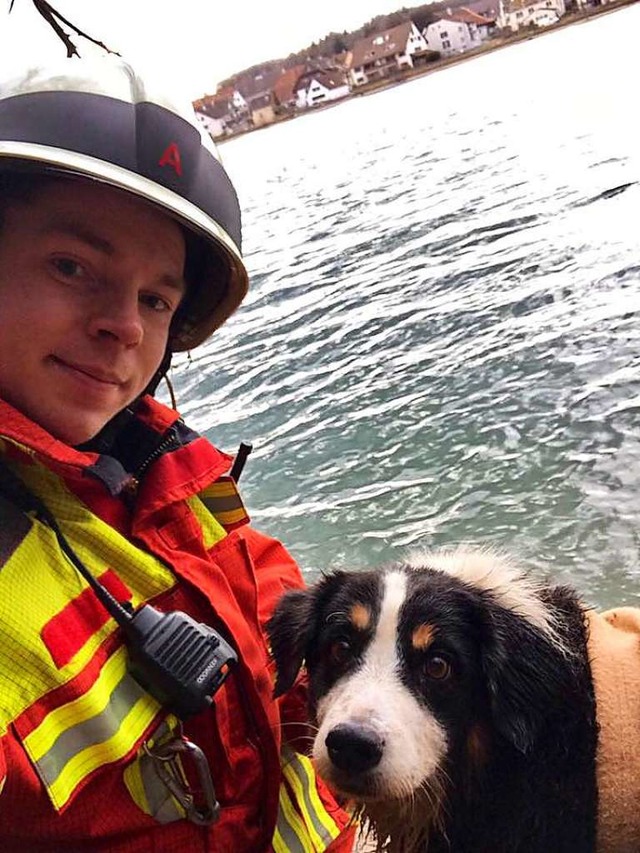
{"x":118,"y":317}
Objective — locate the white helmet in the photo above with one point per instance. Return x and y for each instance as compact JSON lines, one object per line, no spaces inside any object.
{"x":98,"y":119}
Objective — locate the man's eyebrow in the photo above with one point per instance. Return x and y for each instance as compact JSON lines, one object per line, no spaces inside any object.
{"x":175,"y":282}
{"x":73,"y":228}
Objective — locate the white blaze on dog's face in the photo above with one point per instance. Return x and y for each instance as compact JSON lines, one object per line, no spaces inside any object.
{"x":376,"y":738}
{"x":410,"y":675}
{"x":453,"y":698}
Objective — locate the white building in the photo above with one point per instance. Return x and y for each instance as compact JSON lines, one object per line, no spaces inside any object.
{"x":320,"y":87}
{"x":215,"y":127}
{"x":457,"y":32}
{"x":514,"y":14}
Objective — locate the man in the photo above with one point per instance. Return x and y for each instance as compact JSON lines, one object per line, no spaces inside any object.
{"x":120,"y":244}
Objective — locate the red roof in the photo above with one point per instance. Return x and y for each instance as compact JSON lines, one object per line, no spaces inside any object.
{"x":467,"y":16}
{"x":285,"y":85}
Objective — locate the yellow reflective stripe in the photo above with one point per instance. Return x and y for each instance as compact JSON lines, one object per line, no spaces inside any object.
{"x":290,"y":844}
{"x":133,"y":780}
{"x":98,"y":728}
{"x":277,"y":843}
{"x":230,"y":517}
{"x":300,"y":774}
{"x":291,"y":835}
{"x":41,"y":739}
{"x":222,"y":488}
{"x":223,"y":501}
{"x":89,"y":759}
{"x":212,"y":530}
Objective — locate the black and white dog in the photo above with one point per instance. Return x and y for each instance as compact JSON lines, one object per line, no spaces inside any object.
{"x":454,"y":703}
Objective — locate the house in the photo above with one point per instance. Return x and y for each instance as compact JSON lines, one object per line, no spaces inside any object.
{"x":215,"y":125}
{"x":514,"y":14}
{"x":238,"y":106}
{"x":486,"y":8}
{"x":216,"y":114}
{"x":223,"y":113}
{"x":458,"y":32}
{"x":262,"y":109}
{"x":386,"y":53}
{"x":250,"y":84}
{"x":320,"y":87}
{"x":483,"y":23}
{"x":284,"y":89}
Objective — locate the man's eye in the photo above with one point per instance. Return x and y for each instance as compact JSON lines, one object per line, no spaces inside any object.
{"x":69,"y":268}
{"x":156,"y":303}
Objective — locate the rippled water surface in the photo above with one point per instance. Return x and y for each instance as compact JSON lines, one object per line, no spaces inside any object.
{"x":442,"y":340}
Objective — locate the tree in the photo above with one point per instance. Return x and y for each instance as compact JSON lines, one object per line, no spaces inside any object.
{"x":55,"y":20}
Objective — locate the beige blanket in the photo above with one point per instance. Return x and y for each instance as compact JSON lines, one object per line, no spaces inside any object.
{"x":614,"y":652}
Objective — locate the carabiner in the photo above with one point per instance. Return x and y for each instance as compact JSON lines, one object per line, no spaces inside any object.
{"x":168,"y":766}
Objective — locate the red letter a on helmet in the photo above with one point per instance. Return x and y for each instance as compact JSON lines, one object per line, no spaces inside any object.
{"x":171,"y":157}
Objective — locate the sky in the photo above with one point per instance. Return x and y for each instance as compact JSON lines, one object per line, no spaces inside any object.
{"x":194,"y":43}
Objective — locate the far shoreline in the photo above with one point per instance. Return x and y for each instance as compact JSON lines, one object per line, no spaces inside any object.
{"x":442,"y":64}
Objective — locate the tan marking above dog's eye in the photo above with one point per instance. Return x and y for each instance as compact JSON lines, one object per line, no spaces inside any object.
{"x":423,"y":636}
{"x":360,"y":616}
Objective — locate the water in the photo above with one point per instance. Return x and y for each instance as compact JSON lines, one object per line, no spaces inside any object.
{"x":442,"y":340}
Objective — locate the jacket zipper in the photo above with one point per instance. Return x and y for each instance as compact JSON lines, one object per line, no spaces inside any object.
{"x":170,"y":440}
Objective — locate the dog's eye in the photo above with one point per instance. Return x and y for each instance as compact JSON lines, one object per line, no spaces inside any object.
{"x":340,"y":651}
{"x":438,"y":668}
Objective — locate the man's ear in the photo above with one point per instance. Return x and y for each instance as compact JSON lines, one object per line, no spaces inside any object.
{"x":289,"y":630}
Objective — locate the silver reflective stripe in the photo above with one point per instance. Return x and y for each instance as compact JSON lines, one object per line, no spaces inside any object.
{"x":288,"y":841}
{"x":95,"y":730}
{"x":293,"y":765}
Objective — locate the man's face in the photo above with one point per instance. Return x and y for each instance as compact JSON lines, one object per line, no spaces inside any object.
{"x":89,"y":280}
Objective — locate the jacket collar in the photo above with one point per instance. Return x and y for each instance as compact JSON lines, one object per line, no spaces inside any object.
{"x":24,"y":436}
{"x":123,"y":452}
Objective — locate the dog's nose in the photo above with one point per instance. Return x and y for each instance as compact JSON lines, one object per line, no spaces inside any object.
{"x":354,"y":748}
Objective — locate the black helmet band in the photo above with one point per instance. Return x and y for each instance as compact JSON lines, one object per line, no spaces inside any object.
{"x":142,"y":138}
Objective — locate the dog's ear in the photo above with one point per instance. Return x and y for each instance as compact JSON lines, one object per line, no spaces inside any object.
{"x":523,"y":670}
{"x":288,"y":630}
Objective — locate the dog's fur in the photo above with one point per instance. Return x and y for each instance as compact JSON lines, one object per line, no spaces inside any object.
{"x":453,"y":700}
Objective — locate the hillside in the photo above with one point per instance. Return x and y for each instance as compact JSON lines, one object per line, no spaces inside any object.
{"x":335,"y":44}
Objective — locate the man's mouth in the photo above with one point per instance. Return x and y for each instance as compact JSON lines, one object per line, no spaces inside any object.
{"x":91,"y":371}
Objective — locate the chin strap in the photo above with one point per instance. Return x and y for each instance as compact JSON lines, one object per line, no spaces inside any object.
{"x":170,"y":388}
{"x":160,"y":374}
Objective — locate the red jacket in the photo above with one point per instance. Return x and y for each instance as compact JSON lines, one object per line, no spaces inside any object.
{"x":73,"y":758}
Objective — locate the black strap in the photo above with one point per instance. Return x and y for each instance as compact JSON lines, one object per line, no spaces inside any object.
{"x":16,"y":502}
{"x":15,"y":492}
{"x":239,"y":462}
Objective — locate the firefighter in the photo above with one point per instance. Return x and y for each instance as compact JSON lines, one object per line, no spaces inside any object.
{"x":136,"y":690}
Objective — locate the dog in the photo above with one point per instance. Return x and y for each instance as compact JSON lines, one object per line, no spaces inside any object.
{"x":455,"y":703}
